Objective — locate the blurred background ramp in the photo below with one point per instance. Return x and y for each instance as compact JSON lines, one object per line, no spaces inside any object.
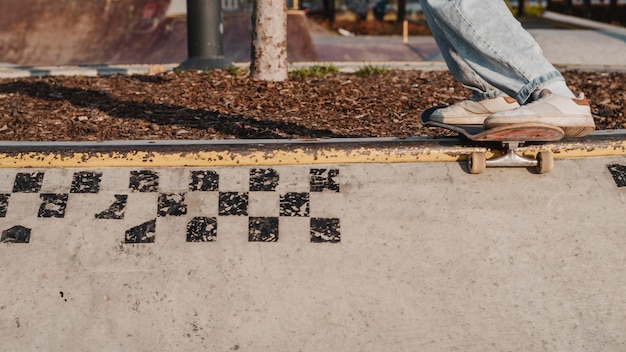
{"x":73,"y":32}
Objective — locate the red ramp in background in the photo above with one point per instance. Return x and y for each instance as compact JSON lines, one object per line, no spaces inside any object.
{"x":73,"y":32}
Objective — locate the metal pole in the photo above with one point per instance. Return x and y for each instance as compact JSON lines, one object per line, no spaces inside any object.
{"x":205,"y":42}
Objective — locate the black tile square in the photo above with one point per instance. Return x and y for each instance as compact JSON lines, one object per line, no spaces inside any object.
{"x":52,"y":205}
{"x":116,"y":210}
{"x":325,"y":230}
{"x":294,"y":204}
{"x":619,"y":174}
{"x":204,"y":181}
{"x":4,"y":204}
{"x":86,"y":182}
{"x":324,"y":179}
{"x":28,"y":182}
{"x":263,"y":229}
{"x":263,"y":180}
{"x":172,"y":204}
{"x":16,"y":234}
{"x":144,"y":181}
{"x":233,"y":203}
{"x":144,"y":233}
{"x":202,"y":229}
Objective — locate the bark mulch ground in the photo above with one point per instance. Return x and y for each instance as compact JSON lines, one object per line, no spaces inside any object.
{"x":223,"y":104}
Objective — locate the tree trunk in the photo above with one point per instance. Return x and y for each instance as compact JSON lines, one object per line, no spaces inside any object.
{"x":269,"y":41}
{"x":520,"y":8}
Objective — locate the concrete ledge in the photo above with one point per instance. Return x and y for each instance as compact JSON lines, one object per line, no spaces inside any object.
{"x":13,"y":71}
{"x":358,"y":257}
{"x":282,"y":152}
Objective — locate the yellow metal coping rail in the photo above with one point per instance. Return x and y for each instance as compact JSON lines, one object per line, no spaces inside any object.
{"x":283,"y":152}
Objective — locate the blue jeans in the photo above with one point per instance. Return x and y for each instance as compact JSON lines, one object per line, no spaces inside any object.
{"x":486,"y":48}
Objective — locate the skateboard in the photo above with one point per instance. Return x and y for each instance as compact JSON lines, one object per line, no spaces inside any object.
{"x":511,"y":138}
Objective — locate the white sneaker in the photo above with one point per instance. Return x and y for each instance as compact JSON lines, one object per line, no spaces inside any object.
{"x":470,"y":112}
{"x":572,"y":115}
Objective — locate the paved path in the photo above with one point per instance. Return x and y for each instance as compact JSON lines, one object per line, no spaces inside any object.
{"x":598,"y":46}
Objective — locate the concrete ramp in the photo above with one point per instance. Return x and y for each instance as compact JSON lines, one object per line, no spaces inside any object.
{"x":310,"y":246}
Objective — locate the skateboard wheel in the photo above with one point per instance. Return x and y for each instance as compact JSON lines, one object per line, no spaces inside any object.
{"x":477,"y":163}
{"x":545,"y":162}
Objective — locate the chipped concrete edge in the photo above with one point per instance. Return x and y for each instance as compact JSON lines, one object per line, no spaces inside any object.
{"x":283,"y":152}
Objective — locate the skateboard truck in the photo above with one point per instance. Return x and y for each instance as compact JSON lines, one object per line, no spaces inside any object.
{"x":511,"y":137}
{"x":543,"y":162}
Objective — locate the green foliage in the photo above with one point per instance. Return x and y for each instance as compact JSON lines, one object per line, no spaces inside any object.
{"x":369,"y":70}
{"x":533,"y":11}
{"x":316,"y":71}
{"x":238,"y":71}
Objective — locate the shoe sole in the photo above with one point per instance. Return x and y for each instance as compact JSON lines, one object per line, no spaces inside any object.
{"x":474,"y":120}
{"x":578,"y":131}
{"x":569,"y":131}
{"x":583,"y":127}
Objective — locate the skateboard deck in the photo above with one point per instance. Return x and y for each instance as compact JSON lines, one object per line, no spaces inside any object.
{"x":510,"y":137}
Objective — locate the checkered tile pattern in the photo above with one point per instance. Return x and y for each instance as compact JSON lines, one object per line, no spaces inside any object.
{"x":199,"y":227}
{"x":619,"y":174}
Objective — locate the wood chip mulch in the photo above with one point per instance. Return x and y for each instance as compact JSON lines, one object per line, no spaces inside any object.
{"x":220,"y":104}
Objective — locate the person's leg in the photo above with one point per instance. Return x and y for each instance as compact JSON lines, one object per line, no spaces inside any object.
{"x":461,"y":71}
{"x":485,"y":99}
{"x":488,"y":51}
{"x":482,"y":38}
